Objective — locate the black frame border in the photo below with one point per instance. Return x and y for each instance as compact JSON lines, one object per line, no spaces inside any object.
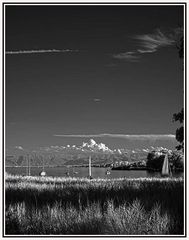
{"x":3,"y":113}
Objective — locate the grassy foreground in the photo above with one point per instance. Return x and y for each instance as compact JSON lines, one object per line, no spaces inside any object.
{"x":59,"y":206}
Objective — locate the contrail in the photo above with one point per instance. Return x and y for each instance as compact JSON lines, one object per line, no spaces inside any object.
{"x":40,"y":51}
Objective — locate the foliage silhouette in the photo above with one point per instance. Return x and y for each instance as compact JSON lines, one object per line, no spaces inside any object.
{"x":180,"y":115}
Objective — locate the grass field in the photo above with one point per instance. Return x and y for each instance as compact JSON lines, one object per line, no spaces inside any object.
{"x":59,"y":206}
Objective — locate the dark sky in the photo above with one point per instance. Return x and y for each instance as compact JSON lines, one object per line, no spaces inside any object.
{"x":103,"y":69}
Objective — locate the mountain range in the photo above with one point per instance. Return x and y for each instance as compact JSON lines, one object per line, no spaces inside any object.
{"x":77,"y":155}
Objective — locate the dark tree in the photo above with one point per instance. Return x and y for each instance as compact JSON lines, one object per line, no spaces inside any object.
{"x":20,"y":160}
{"x":154,"y":161}
{"x":180,"y":47}
{"x":180,"y":115}
{"x":180,"y":131}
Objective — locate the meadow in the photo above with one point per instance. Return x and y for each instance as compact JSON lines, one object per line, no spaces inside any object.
{"x":79,"y":206}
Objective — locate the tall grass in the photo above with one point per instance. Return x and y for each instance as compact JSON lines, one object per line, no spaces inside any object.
{"x":81,"y":206}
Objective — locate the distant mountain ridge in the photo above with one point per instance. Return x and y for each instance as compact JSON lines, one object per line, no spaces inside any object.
{"x":100,"y":153}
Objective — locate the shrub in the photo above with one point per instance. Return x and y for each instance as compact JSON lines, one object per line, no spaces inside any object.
{"x":177,"y":160}
{"x":155,"y":160}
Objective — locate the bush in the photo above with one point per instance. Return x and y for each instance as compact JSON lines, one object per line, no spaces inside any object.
{"x":155,"y":160}
{"x":177,"y":161}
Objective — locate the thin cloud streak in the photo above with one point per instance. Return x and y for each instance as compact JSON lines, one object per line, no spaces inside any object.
{"x":40,"y":51}
{"x":146,"y":50}
{"x":129,"y":56}
{"x":97,"y":100}
{"x":147,"y":136}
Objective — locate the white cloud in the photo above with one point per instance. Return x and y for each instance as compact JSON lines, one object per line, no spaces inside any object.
{"x":91,"y":145}
{"x":97,"y":99}
{"x":145,"y":150}
{"x":119,"y":151}
{"x":19,"y":147}
{"x":92,"y":142}
{"x":150,"y":43}
{"x":137,"y":136}
{"x":96,"y":146}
